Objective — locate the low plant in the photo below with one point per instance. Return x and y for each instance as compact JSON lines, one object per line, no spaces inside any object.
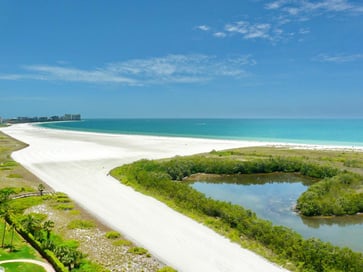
{"x":138,"y":250}
{"x":167,"y":269}
{"x":113,"y":235}
{"x":121,"y":242}
{"x":81,"y":224}
{"x":64,"y":206}
{"x":14,"y":176}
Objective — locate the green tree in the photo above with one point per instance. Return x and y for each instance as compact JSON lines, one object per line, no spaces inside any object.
{"x":41,"y":188}
{"x":69,"y":256}
{"x":4,"y":209}
{"x":31,"y":224}
{"x":47,"y":227}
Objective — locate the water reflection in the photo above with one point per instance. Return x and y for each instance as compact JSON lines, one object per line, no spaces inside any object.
{"x":330,"y":221}
{"x":273,"y":197}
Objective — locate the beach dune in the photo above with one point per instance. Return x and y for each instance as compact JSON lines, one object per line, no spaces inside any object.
{"x":78,"y":163}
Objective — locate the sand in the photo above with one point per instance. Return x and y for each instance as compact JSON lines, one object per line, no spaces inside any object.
{"x":78,"y":163}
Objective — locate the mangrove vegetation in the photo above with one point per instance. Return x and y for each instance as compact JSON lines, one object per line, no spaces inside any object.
{"x":337,"y":191}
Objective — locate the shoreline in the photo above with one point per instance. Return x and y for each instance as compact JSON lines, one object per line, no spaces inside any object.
{"x":340,"y":144}
{"x":78,"y":163}
{"x":244,"y":143}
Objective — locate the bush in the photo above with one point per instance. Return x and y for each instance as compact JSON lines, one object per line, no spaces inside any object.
{"x":112,"y":235}
{"x":64,"y":206}
{"x":137,"y":250}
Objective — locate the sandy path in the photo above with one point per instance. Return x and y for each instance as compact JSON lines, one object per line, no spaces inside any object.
{"x":77,"y":163}
{"x":46,"y":266}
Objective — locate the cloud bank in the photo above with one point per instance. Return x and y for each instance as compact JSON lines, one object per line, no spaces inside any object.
{"x":279,"y":14}
{"x":161,"y":70}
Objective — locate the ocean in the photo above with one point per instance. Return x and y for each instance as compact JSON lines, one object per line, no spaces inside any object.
{"x":343,"y":132}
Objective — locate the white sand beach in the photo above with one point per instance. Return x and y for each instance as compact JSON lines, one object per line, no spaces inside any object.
{"x":78,"y":163}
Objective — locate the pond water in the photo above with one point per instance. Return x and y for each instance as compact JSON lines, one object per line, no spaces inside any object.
{"x":273,"y":196}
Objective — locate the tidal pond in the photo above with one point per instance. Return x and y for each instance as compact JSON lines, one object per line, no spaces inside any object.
{"x":273,"y":197}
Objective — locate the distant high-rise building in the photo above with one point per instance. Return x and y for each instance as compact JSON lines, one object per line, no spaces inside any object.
{"x":71,"y":117}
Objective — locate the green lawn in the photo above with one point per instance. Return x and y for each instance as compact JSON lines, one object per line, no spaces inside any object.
{"x":23,"y":267}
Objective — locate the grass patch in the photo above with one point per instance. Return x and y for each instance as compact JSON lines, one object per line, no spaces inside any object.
{"x":121,"y":242}
{"x":81,"y":224}
{"x":62,"y":198}
{"x":353,"y":163}
{"x":21,"y":204}
{"x":138,"y":251}
{"x":64,"y":206}
{"x":14,"y":176}
{"x":8,"y":164}
{"x":167,"y":269}
{"x":74,"y":212}
{"x":112,"y":235}
{"x":23,"y":267}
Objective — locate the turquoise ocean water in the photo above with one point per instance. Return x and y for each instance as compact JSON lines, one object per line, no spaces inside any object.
{"x":347,"y":132}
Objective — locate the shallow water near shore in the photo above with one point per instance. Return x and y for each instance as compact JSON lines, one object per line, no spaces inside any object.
{"x":345,"y":132}
{"x":273,"y":196}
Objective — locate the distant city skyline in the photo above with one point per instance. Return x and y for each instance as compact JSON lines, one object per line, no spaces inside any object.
{"x":33,"y":119}
{"x":182,"y":59}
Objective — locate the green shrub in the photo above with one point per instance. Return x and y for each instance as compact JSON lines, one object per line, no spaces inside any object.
{"x":137,"y":250}
{"x":63,"y":200}
{"x":112,"y":235}
{"x":353,"y":163}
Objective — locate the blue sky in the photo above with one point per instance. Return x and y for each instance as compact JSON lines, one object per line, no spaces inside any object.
{"x":171,"y":59}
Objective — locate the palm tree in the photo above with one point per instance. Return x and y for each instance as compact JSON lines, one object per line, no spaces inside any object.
{"x":12,"y":236}
{"x":4,"y":209}
{"x":31,"y":224}
{"x":69,"y":256}
{"x":47,"y":227}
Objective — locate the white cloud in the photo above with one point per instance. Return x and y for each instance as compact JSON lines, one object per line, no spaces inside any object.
{"x":219,"y":34}
{"x":11,"y":77}
{"x":304,"y":31}
{"x":310,"y":8}
{"x":339,"y":58}
{"x":182,"y":68}
{"x":168,"y":69}
{"x":72,"y":74}
{"x":203,"y":27}
{"x":282,"y":18}
{"x":275,"y":4}
{"x":248,"y":30}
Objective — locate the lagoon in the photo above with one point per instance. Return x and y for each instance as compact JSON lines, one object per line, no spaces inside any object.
{"x":273,"y":196}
